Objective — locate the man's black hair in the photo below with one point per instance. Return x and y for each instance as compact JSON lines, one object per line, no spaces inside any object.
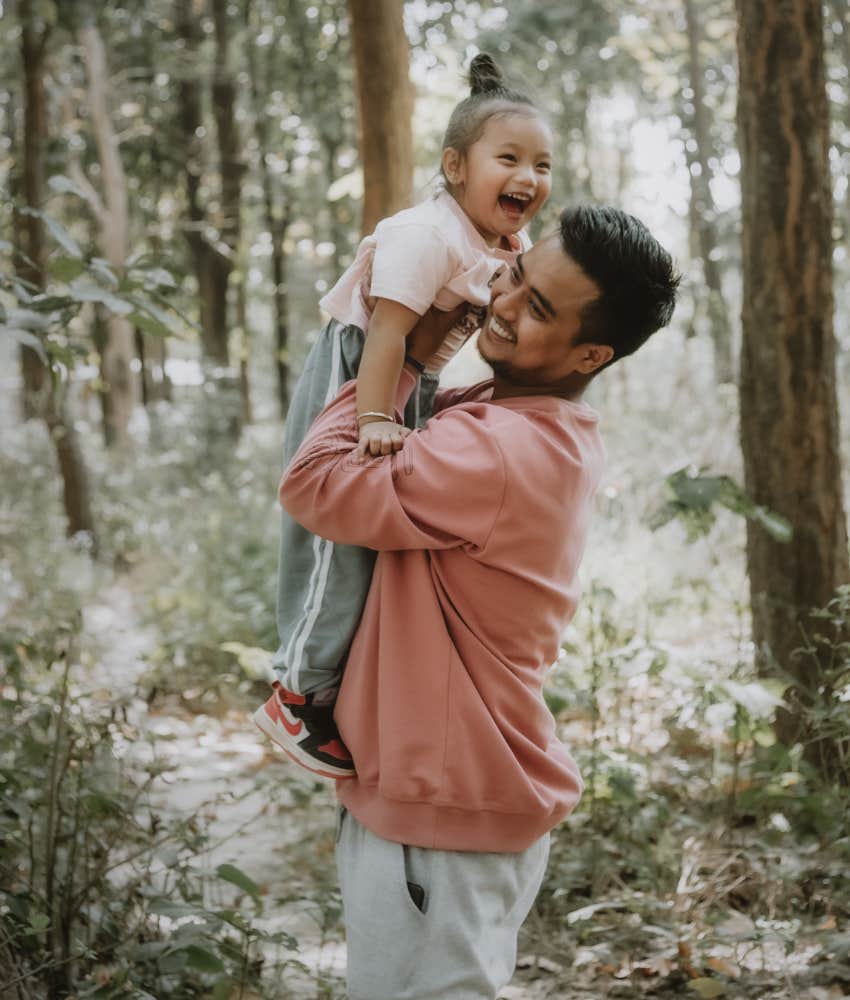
{"x":635,"y":274}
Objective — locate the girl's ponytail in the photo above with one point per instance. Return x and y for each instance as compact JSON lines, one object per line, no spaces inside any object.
{"x":485,"y":77}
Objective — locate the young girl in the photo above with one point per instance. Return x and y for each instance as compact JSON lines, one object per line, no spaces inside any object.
{"x":496,"y":165}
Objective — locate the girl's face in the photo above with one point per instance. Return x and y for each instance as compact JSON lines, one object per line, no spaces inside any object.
{"x":505,"y":177}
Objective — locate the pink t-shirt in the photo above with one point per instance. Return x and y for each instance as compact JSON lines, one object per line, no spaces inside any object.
{"x":427,"y":255}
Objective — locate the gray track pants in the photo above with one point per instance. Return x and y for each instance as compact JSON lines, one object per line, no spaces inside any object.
{"x":456,"y":939}
{"x":322,"y":586}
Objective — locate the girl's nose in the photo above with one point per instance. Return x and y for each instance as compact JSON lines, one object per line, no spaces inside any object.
{"x":525,"y":173}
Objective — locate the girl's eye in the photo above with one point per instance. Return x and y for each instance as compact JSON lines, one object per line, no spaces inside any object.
{"x":544,"y":166}
{"x":515,"y":275}
{"x":509,"y":157}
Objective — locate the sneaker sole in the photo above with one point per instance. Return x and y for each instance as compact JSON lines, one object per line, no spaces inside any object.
{"x":279,"y":736}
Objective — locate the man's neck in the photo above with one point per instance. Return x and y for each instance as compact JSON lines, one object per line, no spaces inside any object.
{"x":570,"y":388}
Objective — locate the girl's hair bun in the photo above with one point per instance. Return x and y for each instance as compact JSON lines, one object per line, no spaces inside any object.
{"x":485,"y":77}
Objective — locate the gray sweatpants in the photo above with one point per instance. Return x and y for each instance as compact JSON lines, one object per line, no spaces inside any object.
{"x":431,"y":925}
{"x":322,"y":586}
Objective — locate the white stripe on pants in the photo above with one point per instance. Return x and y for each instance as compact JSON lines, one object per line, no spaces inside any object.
{"x":458,"y":943}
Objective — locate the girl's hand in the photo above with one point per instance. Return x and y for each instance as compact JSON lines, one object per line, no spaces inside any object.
{"x":381,"y":437}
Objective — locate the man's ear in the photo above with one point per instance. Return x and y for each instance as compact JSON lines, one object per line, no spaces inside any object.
{"x":453,"y":166}
{"x":593,"y":357}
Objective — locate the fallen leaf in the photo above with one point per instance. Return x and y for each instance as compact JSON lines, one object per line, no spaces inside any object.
{"x":721,"y":965}
{"x":707,"y":988}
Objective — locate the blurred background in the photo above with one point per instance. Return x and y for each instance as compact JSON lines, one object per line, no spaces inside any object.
{"x":182,"y":180}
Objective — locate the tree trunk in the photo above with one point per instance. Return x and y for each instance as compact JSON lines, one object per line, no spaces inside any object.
{"x":385,"y":101}
{"x":122,"y":385}
{"x":212,"y":267}
{"x":789,"y":412}
{"x":276,"y":220}
{"x":704,"y":210}
{"x":48,"y":400}
{"x":29,"y":231}
{"x":229,"y":142}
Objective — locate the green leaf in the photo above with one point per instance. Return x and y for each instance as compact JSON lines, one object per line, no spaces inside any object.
{"x":234,"y":875}
{"x":65,"y":268}
{"x":151,"y":318}
{"x":707,"y":988}
{"x":60,"y":184}
{"x":202,"y":959}
{"x":777,"y":526}
{"x":38,"y":922}
{"x":57,"y":231}
{"x":255,"y":661}
{"x":102,"y":269}
{"x":153,"y":277}
{"x":223,"y":988}
{"x":28,"y":339}
{"x":82,"y":290}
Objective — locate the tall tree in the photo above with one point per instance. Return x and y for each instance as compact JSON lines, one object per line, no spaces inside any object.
{"x":704,"y":212}
{"x":118,"y":351}
{"x":385,"y":101}
{"x":50,"y":402}
{"x":30,"y":180}
{"x":277,"y":197}
{"x":789,"y":412}
{"x":212,"y":236}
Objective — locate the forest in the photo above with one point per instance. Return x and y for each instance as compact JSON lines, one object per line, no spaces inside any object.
{"x":183,"y":180}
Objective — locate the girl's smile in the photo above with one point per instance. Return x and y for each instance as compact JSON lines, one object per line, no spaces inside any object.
{"x":505,"y":176}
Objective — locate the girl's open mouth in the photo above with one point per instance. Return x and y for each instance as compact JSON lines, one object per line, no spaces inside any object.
{"x":513,"y":207}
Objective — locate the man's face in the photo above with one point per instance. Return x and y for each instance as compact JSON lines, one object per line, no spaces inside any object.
{"x":532,"y":322}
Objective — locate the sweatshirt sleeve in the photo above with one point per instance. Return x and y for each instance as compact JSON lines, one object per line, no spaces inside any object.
{"x":443,"y":490}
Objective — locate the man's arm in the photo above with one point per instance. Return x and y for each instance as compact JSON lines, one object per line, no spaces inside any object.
{"x":443,"y":490}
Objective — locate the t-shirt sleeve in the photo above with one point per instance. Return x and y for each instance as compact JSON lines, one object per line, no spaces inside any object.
{"x":412,"y":263}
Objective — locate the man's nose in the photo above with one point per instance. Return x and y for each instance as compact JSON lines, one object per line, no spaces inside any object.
{"x":504,"y":303}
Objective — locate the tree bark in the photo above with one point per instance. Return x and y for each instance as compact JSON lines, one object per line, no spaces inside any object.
{"x":29,"y":231}
{"x":704,"y":210}
{"x":49,"y":400}
{"x":211,"y":263}
{"x":385,"y":102}
{"x":122,"y":384}
{"x":276,"y":218}
{"x":789,"y":411}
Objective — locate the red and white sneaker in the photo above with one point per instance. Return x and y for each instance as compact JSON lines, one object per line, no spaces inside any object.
{"x":306,"y":731}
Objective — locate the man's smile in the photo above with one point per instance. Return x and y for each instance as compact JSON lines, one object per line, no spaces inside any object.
{"x":500,"y":332}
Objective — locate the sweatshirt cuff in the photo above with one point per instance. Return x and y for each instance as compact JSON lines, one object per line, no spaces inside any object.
{"x":406,"y":384}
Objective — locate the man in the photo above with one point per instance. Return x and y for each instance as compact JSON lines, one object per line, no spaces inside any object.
{"x":480,"y":522}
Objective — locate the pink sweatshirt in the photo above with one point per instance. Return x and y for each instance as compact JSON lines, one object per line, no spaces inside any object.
{"x":480,"y":522}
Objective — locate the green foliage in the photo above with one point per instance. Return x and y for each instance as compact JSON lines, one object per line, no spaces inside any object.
{"x":99,"y":892}
{"x":43,"y":320}
{"x":693,"y":496}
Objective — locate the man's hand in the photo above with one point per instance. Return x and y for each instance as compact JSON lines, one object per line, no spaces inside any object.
{"x":431,"y":329}
{"x":381,"y":437}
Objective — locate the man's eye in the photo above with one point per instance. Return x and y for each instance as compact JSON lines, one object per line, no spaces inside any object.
{"x":535,"y":310}
{"x":515,"y":275}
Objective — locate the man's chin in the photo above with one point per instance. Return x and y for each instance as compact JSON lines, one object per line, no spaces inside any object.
{"x":500,"y":368}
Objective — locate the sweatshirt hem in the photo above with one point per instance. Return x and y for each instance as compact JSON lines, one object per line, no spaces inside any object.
{"x":448,"y":828}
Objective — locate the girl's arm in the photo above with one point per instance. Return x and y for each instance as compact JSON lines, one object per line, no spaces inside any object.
{"x":377,"y":379}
